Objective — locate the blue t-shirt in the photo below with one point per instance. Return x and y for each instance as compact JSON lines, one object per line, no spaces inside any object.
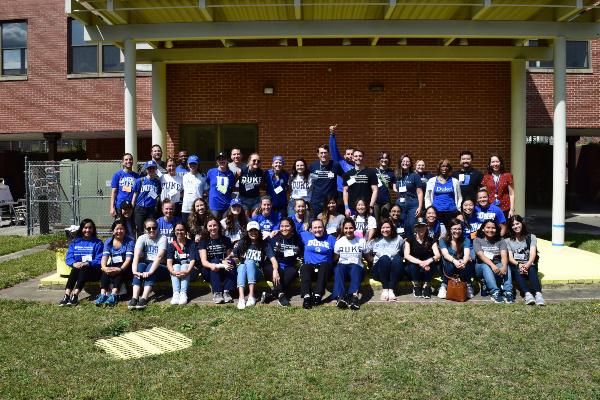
{"x":148,"y":191}
{"x":181,"y":170}
{"x":443,"y":196}
{"x":216,"y":249}
{"x":323,"y":178}
{"x":268,"y":223}
{"x":250,"y":182}
{"x":443,"y":245}
{"x":220,"y":185}
{"x":187,"y":253}
{"x":81,"y":250}
{"x":337,"y":157}
{"x":117,"y":256}
{"x":301,"y":226}
{"x":277,"y":188}
{"x":165,"y":228}
{"x":124,"y":182}
{"x":489,"y":212}
{"x":286,"y":251}
{"x":407,"y":185}
{"x":317,"y":250}
{"x":470,"y":227}
{"x":385,"y":180}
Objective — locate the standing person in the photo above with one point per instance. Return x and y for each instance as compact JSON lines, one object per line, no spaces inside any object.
{"x":167,"y":222}
{"x":300,"y":216}
{"x":84,"y":256}
{"x":267,"y":219}
{"x":318,"y":261}
{"x":250,"y":181}
{"x":346,"y":162}
{"x":194,"y":186}
{"x":423,"y":174}
{"x":397,"y":221}
{"x":235,"y":166}
{"x":500,"y":185}
{"x":410,"y":190}
{"x":420,"y":253}
{"x":214,"y":249}
{"x":182,"y":163}
{"x":468,"y":177}
{"x":360,"y":182}
{"x":171,"y":185}
{"x":365,"y":224}
{"x":348,"y":253}
{"x":484,"y":211}
{"x":146,"y":193}
{"x":331,"y":217}
{"x":456,"y":257}
{"x":220,"y":182}
{"x":287,"y":249}
{"x":234,"y":221}
{"x":276,"y":183}
{"x":181,"y":260}
{"x":492,"y":262}
{"x":443,"y":192}
{"x":249,"y":253}
{"x":300,"y":185}
{"x":116,"y":263}
{"x":147,"y":267}
{"x":323,"y":175}
{"x":385,"y":255}
{"x":122,"y":185}
{"x":197,"y":218}
{"x":156,"y":154}
{"x":522,"y":258}
{"x":386,"y":180}
{"x":125,"y":214}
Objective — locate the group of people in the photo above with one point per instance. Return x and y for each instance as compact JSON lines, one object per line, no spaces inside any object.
{"x":237,"y":223}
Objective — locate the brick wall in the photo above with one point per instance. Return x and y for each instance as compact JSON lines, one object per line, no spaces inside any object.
{"x":430,"y":110}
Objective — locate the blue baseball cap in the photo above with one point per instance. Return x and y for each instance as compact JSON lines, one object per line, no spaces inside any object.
{"x":235,"y":202}
{"x":278,"y":158}
{"x":151,"y":164}
{"x":193,"y":159}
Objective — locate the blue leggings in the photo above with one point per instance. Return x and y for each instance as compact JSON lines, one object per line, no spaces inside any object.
{"x":342,"y":272}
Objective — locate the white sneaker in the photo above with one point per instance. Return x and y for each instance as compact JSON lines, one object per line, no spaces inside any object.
{"x":539,"y":299}
{"x":391,"y":295}
{"x":241,"y":304}
{"x":470,"y":292}
{"x":183,"y":298}
{"x":442,"y":292}
{"x":175,"y":299}
{"x":528,"y":299}
{"x":251,"y":301}
{"x":384,"y":295}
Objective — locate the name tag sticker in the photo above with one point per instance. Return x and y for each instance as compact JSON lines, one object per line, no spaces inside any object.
{"x":86,"y":258}
{"x":489,"y":254}
{"x":249,"y":186}
{"x":402,"y":199}
{"x":151,"y":257}
{"x":332,"y":230}
{"x":152,"y":194}
{"x":399,"y":230}
{"x":402,"y":189}
{"x":172,"y":192}
{"x":351,"y":181}
{"x":330,"y":175}
{"x":127,"y":189}
{"x":461,"y":177}
{"x":278,"y":190}
{"x":288,"y":253}
{"x":353,"y":260}
{"x":235,"y":237}
{"x":519,"y":256}
{"x":117,"y":259}
{"x":379,"y":184}
{"x":302,"y":192}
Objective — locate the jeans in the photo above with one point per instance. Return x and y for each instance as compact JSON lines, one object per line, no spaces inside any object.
{"x":465,"y":274}
{"x":418,"y":274}
{"x":494,"y":281}
{"x":250,"y":203}
{"x":342,"y":272}
{"x":220,"y":279}
{"x":534,"y":281}
{"x":307,"y":272}
{"x":286,"y":277}
{"x":408,"y":216}
{"x":79,"y":276}
{"x":388,"y":271}
{"x":247,"y":271}
{"x":180,"y":284}
{"x":160,"y":273}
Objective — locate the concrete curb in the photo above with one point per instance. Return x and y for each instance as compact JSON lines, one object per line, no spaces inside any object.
{"x":26,"y":252}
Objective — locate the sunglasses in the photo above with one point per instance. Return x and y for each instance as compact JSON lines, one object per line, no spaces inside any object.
{"x":151,"y":228}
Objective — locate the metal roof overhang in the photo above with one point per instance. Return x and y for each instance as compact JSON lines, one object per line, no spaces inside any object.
{"x":258,"y":31}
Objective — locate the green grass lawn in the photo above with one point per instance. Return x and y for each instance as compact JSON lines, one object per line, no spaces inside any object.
{"x":581,"y":241}
{"x":11,"y":244}
{"x":403,"y":351}
{"x":21,"y":269}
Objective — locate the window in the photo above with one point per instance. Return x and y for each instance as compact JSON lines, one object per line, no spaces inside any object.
{"x":577,"y":56}
{"x":86,"y":58}
{"x":206,"y":141}
{"x":14,"y":48}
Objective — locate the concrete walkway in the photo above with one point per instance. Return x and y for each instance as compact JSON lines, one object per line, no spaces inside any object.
{"x":26,"y":252}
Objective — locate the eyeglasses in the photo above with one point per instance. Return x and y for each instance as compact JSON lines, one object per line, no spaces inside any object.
{"x":256,"y":161}
{"x":151,"y":228}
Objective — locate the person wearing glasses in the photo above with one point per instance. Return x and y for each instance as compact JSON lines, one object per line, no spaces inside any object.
{"x":250,"y":180}
{"x":150,"y":249}
{"x":386,"y":180}
{"x":410,"y":190}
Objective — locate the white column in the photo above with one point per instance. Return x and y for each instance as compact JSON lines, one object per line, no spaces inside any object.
{"x":159,"y":105}
{"x":559,"y":150}
{"x":130,"y":100}
{"x":518,"y":129}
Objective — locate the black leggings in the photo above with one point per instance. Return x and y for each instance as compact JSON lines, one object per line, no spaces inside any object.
{"x":141,"y":214}
{"x":106,"y":280}
{"x":307,"y":272}
{"x":79,"y":276}
{"x":286,"y":277}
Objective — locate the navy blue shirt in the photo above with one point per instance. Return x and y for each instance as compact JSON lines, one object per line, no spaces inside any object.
{"x":324,"y":179}
{"x":385,"y":180}
{"x":216,"y":249}
{"x":250,"y":182}
{"x":286,"y":250}
{"x":148,"y":192}
{"x":407,"y":185}
{"x":277,"y":188}
{"x":187,"y":253}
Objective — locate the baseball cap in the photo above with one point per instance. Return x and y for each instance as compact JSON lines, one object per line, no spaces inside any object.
{"x":221,"y":156}
{"x":235,"y":202}
{"x":420,"y":221}
{"x":278,"y":158}
{"x":150,"y":164}
{"x":125,"y":204}
{"x":193,"y":159}
{"x":252,"y":225}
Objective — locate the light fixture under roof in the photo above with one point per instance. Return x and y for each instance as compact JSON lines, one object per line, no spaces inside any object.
{"x":283,"y":42}
{"x":402,"y":41}
{"x":463,"y":42}
{"x":346,"y":42}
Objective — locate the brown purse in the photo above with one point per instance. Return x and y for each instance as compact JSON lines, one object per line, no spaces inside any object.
{"x":457,"y":289}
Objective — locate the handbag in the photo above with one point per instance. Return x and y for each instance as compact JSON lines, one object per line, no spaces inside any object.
{"x":457,"y":289}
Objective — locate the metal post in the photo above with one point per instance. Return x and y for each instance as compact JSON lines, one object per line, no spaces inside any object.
{"x":28,"y":199}
{"x":518,"y":132}
{"x":130,"y":100}
{"x":560,"y":143}
{"x":159,"y":105}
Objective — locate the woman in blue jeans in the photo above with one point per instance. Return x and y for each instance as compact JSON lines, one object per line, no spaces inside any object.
{"x":492,"y":262}
{"x":215,"y":249}
{"x":421,"y":253}
{"x":522,"y":258}
{"x":348,"y":253}
{"x":410,"y":193}
{"x":456,"y":257}
{"x":181,"y":260}
{"x":385,"y":253}
{"x":249,"y":253}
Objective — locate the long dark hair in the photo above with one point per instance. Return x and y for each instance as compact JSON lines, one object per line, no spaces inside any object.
{"x":399,"y":171}
{"x":295,"y":173}
{"x":83,"y":223}
{"x":184,"y":227}
{"x":325,"y":214}
{"x":366,"y":217}
{"x":524,"y":231}
{"x":230,"y":218}
{"x":460,"y":242}
{"x":462,"y":211}
{"x":245,"y":242}
{"x":347,"y":220}
{"x":481,"y":234}
{"x":195,"y":221}
{"x":394,"y":232}
{"x":294,"y":236}
{"x":205,"y":235}
{"x":489,"y":166}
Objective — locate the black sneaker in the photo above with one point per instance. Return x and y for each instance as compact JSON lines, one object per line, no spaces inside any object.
{"x":282,"y":300}
{"x":132,"y":305}
{"x":317,"y":300}
{"x":307,"y":302}
{"x":417,"y":291}
{"x":142,"y":303}
{"x":266,"y":297}
{"x":342,"y":303}
{"x":427,"y":292}
{"x":355,"y":303}
{"x":64,"y":301}
{"x":73,"y":300}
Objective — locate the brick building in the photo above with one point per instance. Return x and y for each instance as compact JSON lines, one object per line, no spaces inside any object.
{"x":401,"y":78}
